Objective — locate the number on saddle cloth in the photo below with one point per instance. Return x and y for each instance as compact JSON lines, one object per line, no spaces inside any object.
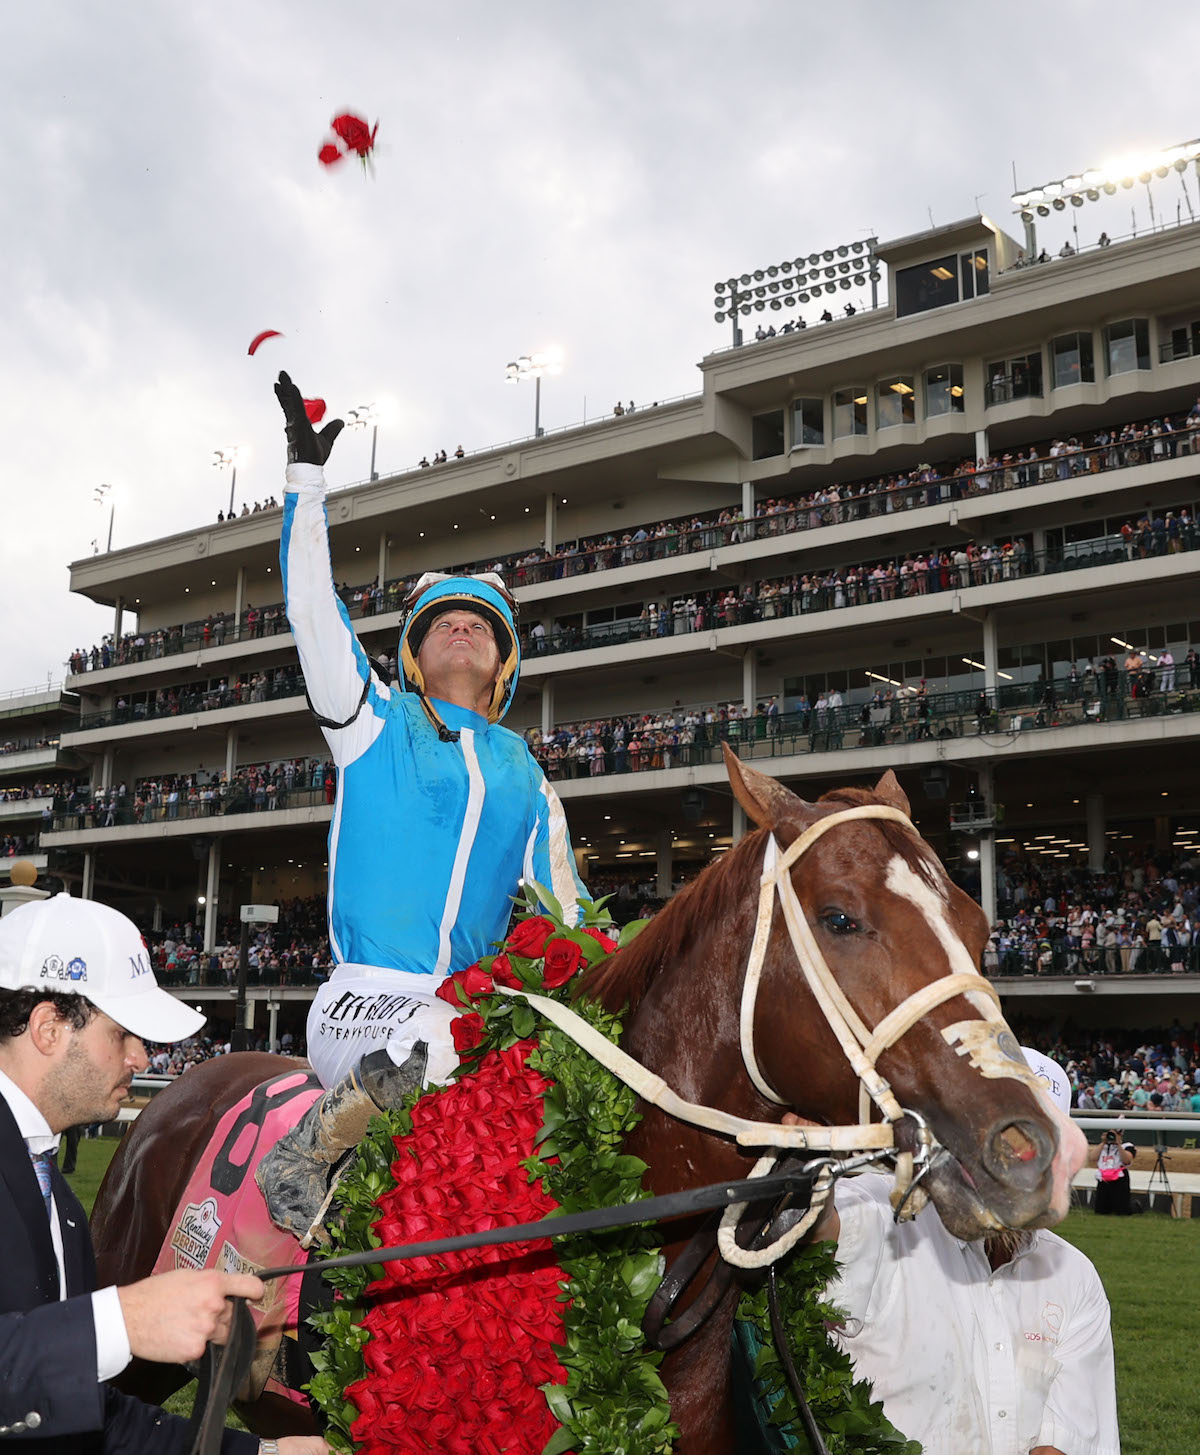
{"x":227,"y":1176}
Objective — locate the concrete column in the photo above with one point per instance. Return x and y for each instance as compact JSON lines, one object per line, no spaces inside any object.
{"x":106,"y":766}
{"x":87,"y":889}
{"x":549,"y":540}
{"x":211,"y":890}
{"x":739,"y":821}
{"x":991,"y":654}
{"x":272,"y":1025}
{"x":156,"y":921}
{"x":383,"y":557}
{"x":239,"y":603}
{"x":665,"y":863}
{"x":981,"y":444}
{"x":750,"y":679}
{"x":748,"y":503}
{"x":1095,"y":831}
{"x":547,"y":705}
{"x":118,"y":617}
{"x":987,"y":849}
{"x":231,"y":747}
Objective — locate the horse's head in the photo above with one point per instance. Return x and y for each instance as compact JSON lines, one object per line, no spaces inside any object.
{"x":888,"y":921}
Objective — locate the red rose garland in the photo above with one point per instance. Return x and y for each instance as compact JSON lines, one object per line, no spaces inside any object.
{"x":455,"y":1364}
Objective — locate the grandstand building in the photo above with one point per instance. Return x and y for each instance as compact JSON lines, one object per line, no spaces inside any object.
{"x":952,"y":535}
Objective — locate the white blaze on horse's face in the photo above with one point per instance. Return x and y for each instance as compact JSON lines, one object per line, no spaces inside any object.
{"x":934,"y":904}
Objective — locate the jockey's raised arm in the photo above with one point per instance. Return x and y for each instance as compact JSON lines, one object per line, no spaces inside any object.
{"x":440,"y":813}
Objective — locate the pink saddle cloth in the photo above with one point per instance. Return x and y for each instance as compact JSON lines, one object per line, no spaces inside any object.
{"x":222,"y":1220}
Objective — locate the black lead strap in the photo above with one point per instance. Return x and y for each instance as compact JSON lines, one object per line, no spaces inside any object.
{"x":224,"y":1369}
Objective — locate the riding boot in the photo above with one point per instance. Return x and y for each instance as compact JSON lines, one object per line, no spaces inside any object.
{"x":294,"y":1177}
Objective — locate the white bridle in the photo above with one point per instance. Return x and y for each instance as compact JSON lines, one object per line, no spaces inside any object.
{"x":861,"y":1046}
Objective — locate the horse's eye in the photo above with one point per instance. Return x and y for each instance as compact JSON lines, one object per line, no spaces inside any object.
{"x":839,"y":922}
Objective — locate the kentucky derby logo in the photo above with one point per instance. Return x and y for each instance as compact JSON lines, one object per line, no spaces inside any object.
{"x":195,"y":1233}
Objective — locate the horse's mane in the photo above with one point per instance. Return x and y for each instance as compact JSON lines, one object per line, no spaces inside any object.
{"x":714,"y":896}
{"x":718,"y":894}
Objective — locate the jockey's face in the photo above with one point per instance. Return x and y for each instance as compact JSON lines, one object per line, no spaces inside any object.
{"x":459,"y":659}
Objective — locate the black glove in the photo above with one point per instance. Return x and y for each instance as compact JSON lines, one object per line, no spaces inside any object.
{"x":305,"y":445}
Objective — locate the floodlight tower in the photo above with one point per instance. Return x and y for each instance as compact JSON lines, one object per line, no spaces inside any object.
{"x":796,"y":280}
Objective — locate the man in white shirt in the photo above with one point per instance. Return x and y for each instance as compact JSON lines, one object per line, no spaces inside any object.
{"x":997,"y":1347}
{"x":76,"y":997}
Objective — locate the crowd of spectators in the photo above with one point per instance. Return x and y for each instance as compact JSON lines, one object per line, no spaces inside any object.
{"x":1123,"y":1069}
{"x":54,"y":789}
{"x":1140,"y":916}
{"x":253,"y":788}
{"x":1059,"y":459}
{"x":258,"y":507}
{"x":294,"y":951}
{"x":26,"y":745}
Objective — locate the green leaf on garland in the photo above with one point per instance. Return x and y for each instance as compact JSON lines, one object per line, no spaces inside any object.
{"x":546,"y":899}
{"x":630,"y":932}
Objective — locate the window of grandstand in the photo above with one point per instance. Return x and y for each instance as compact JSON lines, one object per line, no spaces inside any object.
{"x":767,"y":439}
{"x":849,"y":412}
{"x":895,"y":402}
{"x":1127,"y":345}
{"x":974,"y":269}
{"x":940,"y":281}
{"x":1019,"y":378}
{"x":943,"y":390}
{"x":1073,"y":362}
{"x":808,"y":422}
{"x":1181,"y":340}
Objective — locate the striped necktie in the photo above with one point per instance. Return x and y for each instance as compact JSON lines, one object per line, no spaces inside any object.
{"x":41,"y":1166}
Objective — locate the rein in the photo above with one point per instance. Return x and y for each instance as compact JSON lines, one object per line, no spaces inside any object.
{"x":224,"y":1368}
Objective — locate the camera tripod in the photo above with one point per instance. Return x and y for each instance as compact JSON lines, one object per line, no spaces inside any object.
{"x":1159,"y":1181}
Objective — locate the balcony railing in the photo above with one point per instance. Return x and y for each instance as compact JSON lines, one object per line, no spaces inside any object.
{"x":1010,"y":709}
{"x":237,"y":797}
{"x":857,"y":501}
{"x":786,"y":596}
{"x":1045,"y":958}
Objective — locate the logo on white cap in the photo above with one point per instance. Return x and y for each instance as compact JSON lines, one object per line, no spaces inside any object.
{"x":79,"y":947}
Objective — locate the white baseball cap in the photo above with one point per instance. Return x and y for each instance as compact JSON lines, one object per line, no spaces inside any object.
{"x":79,"y":947}
{"x":1051,"y":1074}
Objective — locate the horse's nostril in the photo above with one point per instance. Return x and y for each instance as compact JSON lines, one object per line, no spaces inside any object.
{"x":1018,"y":1153}
{"x":1017,"y":1145}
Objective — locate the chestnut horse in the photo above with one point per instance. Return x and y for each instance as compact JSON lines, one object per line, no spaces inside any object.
{"x":887,"y":921}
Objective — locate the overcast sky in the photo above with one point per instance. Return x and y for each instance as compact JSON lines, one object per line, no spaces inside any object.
{"x":546,"y":174}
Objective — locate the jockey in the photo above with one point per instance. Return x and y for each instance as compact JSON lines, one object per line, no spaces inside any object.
{"x":440,"y":813}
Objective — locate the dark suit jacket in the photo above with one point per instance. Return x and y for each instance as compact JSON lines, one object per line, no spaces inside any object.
{"x":48,"y":1344}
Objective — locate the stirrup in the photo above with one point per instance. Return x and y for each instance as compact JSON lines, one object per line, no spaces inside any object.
{"x":297,"y":1176}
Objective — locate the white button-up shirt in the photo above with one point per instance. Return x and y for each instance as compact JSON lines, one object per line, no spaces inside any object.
{"x":964,"y":1358}
{"x":112,"y":1341}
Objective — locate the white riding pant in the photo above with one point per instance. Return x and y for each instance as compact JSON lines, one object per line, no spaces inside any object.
{"x":362,"y":1007}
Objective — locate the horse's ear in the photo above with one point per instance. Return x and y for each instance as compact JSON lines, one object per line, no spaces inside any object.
{"x":766,"y":801}
{"x":889,"y":791}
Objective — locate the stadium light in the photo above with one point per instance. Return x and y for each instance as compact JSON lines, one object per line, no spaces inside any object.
{"x":103,"y":495}
{"x":1107,"y":179}
{"x":366,"y":414}
{"x":230,"y":460}
{"x":533,"y":366}
{"x":796,"y":280}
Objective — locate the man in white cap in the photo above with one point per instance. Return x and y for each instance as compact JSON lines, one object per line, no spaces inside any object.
{"x":77,"y":997}
{"x":997,"y":1347}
